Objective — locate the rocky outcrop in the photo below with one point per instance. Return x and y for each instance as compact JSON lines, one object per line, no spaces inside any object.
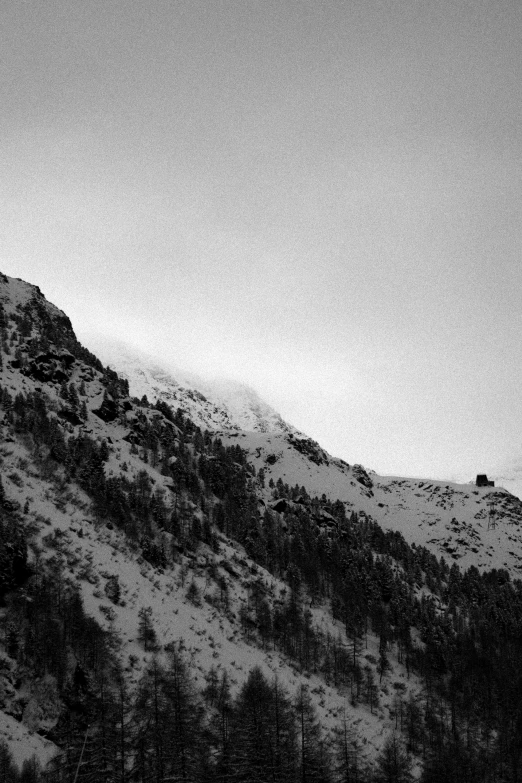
{"x":52,"y":366}
{"x":108,"y":410}
{"x":310,"y":449}
{"x":362,"y":476}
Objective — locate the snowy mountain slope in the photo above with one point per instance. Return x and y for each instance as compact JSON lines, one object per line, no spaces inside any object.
{"x":211,"y":404}
{"x":509,"y":476}
{"x":144,"y":445}
{"x":480,"y":526}
{"x":64,"y":529}
{"x":94,"y":556}
{"x":23,"y":743}
{"x":16,"y":293}
{"x":473,"y":525}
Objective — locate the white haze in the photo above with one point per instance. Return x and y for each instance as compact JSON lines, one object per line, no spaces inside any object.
{"x":319,"y":199}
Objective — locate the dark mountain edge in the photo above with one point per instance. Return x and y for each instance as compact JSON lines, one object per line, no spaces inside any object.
{"x":183,"y":499}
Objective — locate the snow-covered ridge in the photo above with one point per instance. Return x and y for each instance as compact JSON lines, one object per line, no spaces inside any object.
{"x":219,"y":404}
{"x":474,"y":526}
{"x":470,"y":525}
{"x":16,"y":293}
{"x":467,"y":524}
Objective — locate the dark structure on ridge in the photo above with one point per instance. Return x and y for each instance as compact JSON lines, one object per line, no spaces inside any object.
{"x":482,"y":481}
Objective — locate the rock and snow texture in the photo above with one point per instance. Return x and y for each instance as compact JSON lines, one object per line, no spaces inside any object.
{"x":471,"y":525}
{"x":466,"y":524}
{"x":93,"y":555}
{"x":23,"y":743}
{"x":64,"y":528}
{"x":211,"y":404}
{"x":479,"y":526}
{"x":15,"y":293}
{"x":509,"y":476}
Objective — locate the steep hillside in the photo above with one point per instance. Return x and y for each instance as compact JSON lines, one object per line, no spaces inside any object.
{"x":200,"y":594}
{"x":180,"y":603}
{"x":479,"y":526}
{"x":472,"y":525}
{"x":213,"y":405}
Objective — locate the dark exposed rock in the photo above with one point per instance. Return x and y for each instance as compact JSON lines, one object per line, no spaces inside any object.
{"x":310,"y":449}
{"x":362,"y":477}
{"x":108,"y":410}
{"x":230,"y":569}
{"x":283,"y":505}
{"x":325,"y":518}
{"x":280,"y":506}
{"x":66,"y":357}
{"x":70,"y":414}
{"x":52,"y":366}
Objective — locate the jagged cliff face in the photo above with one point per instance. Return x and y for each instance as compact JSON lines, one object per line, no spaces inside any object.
{"x":51,"y":352}
{"x":248,"y":545}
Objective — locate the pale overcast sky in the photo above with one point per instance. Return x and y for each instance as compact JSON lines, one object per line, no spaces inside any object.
{"x":320,"y":198}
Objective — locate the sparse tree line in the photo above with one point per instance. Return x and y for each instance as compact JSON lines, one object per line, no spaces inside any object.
{"x":164,"y":728}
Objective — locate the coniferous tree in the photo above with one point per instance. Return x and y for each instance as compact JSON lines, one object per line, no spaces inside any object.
{"x":393,"y":764}
{"x":152,"y":724}
{"x":285,"y":760}
{"x":31,"y":771}
{"x":264,"y":746}
{"x":187,"y":749}
{"x":146,"y":631}
{"x":370,"y":688}
{"x":219,"y":725}
{"x":122,"y":716}
{"x":383,"y":664}
{"x":314,"y":761}
{"x":8,"y":769}
{"x":349,"y":764}
{"x":252,"y":750}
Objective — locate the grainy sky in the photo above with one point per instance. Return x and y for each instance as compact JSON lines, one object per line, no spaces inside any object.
{"x":320,"y":198}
